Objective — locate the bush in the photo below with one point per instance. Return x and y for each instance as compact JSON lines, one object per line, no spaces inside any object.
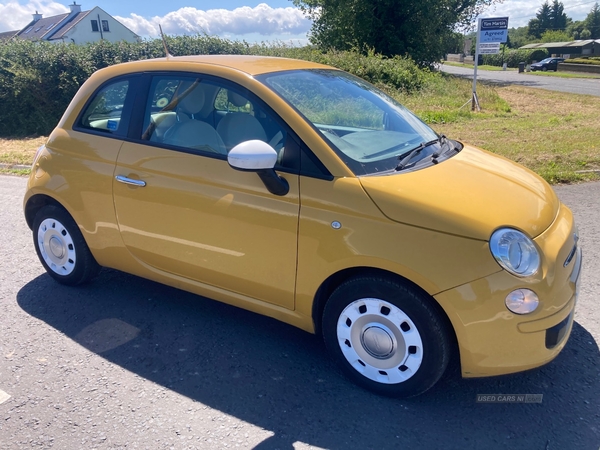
{"x":38,"y":80}
{"x":591,"y":61}
{"x":513,"y":57}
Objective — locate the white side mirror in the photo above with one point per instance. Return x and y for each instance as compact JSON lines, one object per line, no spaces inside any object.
{"x":252,"y":155}
{"x":258,"y":156}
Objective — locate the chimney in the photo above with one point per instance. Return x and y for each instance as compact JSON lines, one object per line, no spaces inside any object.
{"x":36,"y":16}
{"x":75,"y":8}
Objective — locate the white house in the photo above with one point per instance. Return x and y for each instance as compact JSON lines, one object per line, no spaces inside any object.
{"x":78,"y":27}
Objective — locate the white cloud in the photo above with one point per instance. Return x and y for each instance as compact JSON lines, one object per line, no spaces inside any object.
{"x":14,"y":16}
{"x":262,"y":19}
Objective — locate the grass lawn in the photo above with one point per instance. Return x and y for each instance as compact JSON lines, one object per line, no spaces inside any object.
{"x":554,"y":134}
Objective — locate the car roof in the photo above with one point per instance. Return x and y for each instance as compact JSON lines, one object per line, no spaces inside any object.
{"x":252,"y":65}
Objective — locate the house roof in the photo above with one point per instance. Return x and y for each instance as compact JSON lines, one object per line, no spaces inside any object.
{"x":6,"y":35}
{"x":572,"y":44}
{"x":74,"y":21}
{"x":37,"y":30}
{"x":52,"y":28}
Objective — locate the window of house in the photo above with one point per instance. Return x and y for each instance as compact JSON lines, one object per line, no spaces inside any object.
{"x":105,"y":25}
{"x":95,"y":25}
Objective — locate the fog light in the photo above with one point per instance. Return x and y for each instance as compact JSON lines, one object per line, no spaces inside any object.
{"x":522,"y":301}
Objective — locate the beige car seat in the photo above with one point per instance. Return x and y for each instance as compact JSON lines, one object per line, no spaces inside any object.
{"x":190,"y":133}
{"x":237,"y":127}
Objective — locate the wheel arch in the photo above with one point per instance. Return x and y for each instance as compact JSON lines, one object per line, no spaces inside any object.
{"x":37,"y":202}
{"x":333,"y":281}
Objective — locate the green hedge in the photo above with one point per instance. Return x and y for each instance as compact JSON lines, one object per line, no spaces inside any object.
{"x":38,"y":80}
{"x":513,"y":57}
{"x":592,"y":61}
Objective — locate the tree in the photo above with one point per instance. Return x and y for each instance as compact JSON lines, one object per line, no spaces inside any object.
{"x":519,"y":37}
{"x":558,"y":18}
{"x":592,"y":22}
{"x":575,"y":28}
{"x":418,"y":28}
{"x":542,"y":21}
{"x":556,"y":36}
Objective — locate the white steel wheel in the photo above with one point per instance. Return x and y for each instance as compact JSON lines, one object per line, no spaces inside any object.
{"x":387,"y":335}
{"x":61,"y":247}
{"x":56,"y":247}
{"x":379,"y":340}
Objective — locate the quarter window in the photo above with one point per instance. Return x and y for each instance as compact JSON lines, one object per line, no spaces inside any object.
{"x":104,"y":112}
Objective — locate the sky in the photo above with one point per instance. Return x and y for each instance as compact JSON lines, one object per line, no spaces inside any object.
{"x":253,"y":21}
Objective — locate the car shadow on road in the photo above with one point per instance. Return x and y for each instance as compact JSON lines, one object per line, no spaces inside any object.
{"x":279,"y":378}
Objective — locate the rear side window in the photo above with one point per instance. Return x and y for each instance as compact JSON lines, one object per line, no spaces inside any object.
{"x":104,"y":112}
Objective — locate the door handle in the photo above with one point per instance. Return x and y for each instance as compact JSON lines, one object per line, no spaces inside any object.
{"x":130,"y":181}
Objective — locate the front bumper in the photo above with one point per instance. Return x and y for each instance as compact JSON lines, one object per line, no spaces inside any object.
{"x":494,"y":341}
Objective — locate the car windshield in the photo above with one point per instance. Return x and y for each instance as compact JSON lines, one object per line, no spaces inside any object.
{"x":547,"y":60}
{"x":368,"y":129}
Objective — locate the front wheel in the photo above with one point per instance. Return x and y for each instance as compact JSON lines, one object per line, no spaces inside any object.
{"x":386,"y":336}
{"x":61,"y":247}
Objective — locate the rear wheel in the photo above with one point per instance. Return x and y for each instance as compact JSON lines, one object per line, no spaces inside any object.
{"x":61,"y":247}
{"x":386,"y":336}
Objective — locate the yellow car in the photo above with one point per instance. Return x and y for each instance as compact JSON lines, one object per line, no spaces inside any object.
{"x":298,"y":191}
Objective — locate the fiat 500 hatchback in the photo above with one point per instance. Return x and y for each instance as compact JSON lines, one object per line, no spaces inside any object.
{"x":303,"y":193}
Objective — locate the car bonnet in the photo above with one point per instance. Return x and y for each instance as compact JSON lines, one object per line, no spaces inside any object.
{"x":471,"y":195}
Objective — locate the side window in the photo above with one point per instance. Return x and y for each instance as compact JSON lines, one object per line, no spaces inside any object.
{"x":176,"y":113}
{"x":105,"y":110}
{"x":95,"y":25}
{"x":240,"y":117}
{"x":208,"y":116}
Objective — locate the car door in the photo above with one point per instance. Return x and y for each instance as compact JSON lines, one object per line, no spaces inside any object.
{"x":183,"y":211}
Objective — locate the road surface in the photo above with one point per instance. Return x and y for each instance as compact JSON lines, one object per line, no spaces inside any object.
{"x":590,"y":86}
{"x":125,"y":363}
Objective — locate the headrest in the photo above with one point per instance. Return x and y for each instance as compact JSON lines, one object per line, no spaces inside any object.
{"x":193,"y":101}
{"x":236,"y":99}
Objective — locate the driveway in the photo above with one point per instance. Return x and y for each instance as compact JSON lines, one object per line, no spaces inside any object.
{"x":128,"y":363}
{"x":590,"y":86}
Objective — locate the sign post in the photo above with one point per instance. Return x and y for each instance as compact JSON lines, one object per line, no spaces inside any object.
{"x":490,"y":33}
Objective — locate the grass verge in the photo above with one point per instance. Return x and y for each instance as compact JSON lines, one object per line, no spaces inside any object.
{"x":543,"y":74}
{"x":553,"y":134}
{"x":482,"y":67}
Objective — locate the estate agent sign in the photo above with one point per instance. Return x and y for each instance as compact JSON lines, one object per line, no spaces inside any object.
{"x":491,"y":32}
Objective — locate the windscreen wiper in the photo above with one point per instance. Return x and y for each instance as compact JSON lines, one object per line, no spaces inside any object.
{"x":411,"y":153}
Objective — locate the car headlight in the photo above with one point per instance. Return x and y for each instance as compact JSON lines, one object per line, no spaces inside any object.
{"x":515,"y":252}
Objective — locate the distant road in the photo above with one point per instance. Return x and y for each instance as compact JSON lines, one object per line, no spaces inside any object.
{"x":573,"y":85}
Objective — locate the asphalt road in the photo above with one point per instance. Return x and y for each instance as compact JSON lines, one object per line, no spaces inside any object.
{"x":590,"y":86}
{"x":125,"y":363}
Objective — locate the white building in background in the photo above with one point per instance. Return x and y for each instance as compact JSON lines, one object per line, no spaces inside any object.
{"x":79,"y":27}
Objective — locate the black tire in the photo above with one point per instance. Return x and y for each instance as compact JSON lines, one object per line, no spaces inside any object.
{"x":61,"y":248}
{"x":544,"y":69}
{"x":377,"y":319}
